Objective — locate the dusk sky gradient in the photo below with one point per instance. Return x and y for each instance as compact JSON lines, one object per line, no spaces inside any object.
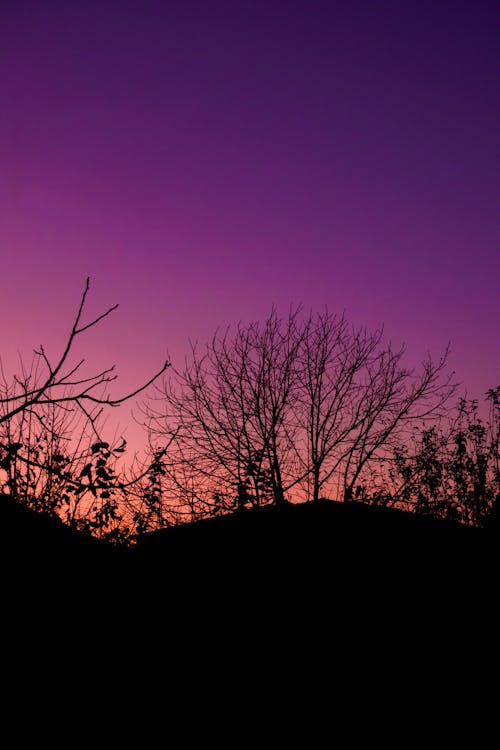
{"x":202,"y":161}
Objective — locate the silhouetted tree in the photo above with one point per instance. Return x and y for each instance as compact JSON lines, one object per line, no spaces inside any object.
{"x":57,"y":382}
{"x":452,"y":469}
{"x":227,"y":417}
{"x":355,"y":397}
{"x":305,"y":402}
{"x":52,"y":455}
{"x":392,"y":399}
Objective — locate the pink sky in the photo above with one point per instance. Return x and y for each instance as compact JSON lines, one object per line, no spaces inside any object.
{"x":202,"y":161}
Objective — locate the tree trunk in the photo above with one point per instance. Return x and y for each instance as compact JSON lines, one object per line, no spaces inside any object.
{"x":316,"y":483}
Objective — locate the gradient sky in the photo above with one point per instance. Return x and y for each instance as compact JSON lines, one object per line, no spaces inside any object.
{"x":202,"y":161}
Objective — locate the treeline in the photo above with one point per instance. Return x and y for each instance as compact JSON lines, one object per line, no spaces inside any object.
{"x":291,"y":409}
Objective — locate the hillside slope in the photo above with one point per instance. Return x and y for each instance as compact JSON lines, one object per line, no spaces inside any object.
{"x":324,"y":547}
{"x":309,"y":556}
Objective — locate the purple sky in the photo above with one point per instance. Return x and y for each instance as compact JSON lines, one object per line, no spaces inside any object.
{"x":204,"y":160}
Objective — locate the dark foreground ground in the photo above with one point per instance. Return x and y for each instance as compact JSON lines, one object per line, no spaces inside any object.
{"x":311,"y":556}
{"x":325,"y":618}
{"x":301,"y":605}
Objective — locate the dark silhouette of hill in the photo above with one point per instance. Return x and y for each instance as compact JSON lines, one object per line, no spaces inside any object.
{"x":304,"y":534}
{"x":306,"y":558}
{"x":330,"y":566}
{"x":315,"y":556}
{"x":300,"y":597}
{"x":48,"y":567}
{"x":40,"y":537}
{"x":332,"y":523}
{"x":326,"y":533}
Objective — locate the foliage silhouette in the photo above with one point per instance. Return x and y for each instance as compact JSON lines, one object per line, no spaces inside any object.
{"x":289,"y":409}
{"x":52,"y":456}
{"x":452,"y":470}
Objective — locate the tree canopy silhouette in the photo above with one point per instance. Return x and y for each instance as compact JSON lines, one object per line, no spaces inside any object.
{"x":52,"y":454}
{"x":296,"y":408}
{"x":57,"y":383}
{"x":287,"y":408}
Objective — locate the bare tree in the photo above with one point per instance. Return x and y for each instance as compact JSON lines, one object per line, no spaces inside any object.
{"x":52,"y":455}
{"x":332,"y":359}
{"x":300,"y":402}
{"x":59,"y":382}
{"x":355,"y":395}
{"x":227,"y":414}
{"x":392,"y":399}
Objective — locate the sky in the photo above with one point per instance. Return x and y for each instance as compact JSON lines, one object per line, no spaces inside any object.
{"x":204,"y":161}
